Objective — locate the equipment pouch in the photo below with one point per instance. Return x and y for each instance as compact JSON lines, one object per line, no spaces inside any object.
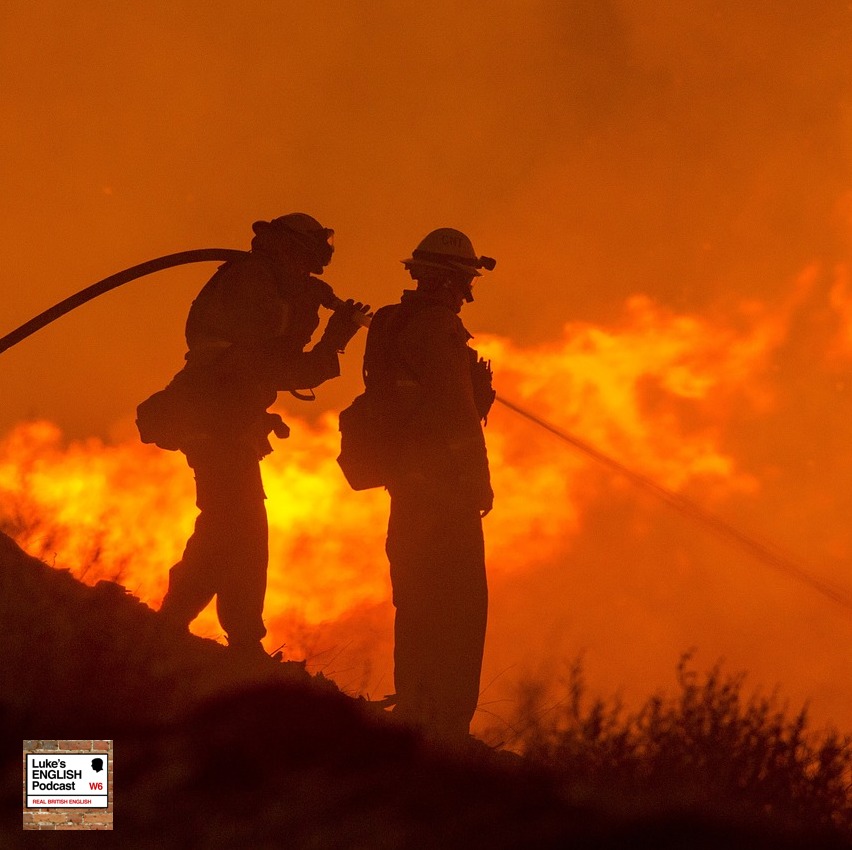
{"x":367,"y":444}
{"x":169,"y":418}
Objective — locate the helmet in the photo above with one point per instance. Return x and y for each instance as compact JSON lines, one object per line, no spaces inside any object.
{"x":302,"y":231}
{"x":449,"y":250}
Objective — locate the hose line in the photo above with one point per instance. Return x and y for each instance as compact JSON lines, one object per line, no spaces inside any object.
{"x":112,"y":282}
{"x":720,"y":527}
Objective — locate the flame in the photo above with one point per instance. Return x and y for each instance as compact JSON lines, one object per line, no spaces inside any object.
{"x":658,"y":390}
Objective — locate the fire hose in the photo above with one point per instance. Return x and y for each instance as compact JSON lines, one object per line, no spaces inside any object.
{"x":120,"y":278}
{"x":720,"y":527}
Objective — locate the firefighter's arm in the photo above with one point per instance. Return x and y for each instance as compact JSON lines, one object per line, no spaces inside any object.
{"x":305,"y":370}
{"x":342,"y":325}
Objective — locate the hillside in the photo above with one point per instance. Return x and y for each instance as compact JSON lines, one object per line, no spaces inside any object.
{"x":209,"y":753}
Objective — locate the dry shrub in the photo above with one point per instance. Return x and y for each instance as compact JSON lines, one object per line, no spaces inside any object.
{"x":706,"y":745}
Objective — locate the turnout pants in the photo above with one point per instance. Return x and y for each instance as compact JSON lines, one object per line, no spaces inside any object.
{"x":437,"y":564}
{"x":227,"y":554}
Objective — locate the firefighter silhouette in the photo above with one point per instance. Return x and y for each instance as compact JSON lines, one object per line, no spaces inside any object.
{"x":437,"y":391}
{"x":246,"y":335}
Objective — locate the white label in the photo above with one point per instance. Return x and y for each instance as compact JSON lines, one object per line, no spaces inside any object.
{"x":67,"y":780}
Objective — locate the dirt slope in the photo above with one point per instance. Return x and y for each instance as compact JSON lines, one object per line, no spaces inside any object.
{"x":210,"y":753}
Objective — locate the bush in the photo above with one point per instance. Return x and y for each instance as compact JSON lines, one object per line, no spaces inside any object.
{"x":705,"y":746}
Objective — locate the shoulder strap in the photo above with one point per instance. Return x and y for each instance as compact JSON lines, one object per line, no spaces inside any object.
{"x":382,"y":359}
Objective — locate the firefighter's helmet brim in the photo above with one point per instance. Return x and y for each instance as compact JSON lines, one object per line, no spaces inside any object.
{"x":443,"y":265}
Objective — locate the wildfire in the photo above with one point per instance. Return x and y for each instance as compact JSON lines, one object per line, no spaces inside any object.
{"x":657,"y":390}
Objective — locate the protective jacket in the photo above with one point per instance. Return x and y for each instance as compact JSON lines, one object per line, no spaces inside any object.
{"x":253,"y":314}
{"x":245,"y":333}
{"x":418,"y":357}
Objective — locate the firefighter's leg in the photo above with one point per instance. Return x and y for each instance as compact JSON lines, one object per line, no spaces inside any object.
{"x":192,"y":581}
{"x":227,"y":554}
{"x":408,"y":528}
{"x":242,"y":585}
{"x":409,"y":659}
{"x":235,"y":493}
{"x":435,"y":547}
{"x":455,"y":640}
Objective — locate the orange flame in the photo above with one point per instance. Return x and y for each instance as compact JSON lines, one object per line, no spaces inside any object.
{"x":658,"y":390}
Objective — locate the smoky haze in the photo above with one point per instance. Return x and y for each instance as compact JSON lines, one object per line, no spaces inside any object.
{"x":596,"y":149}
{"x":697,"y":154}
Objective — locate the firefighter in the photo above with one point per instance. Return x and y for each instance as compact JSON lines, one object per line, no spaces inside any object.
{"x":246,"y":333}
{"x":438,"y":392}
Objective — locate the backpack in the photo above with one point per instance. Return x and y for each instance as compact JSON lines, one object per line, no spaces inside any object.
{"x":169,"y":418}
{"x":372,"y":427}
{"x":199,"y":403}
{"x":366,"y":444}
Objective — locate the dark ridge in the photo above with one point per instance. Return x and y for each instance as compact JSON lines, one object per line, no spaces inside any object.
{"x":210,"y":752}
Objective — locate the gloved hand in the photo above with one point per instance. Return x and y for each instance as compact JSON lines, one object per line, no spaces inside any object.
{"x":481,"y":377}
{"x":342,"y":325}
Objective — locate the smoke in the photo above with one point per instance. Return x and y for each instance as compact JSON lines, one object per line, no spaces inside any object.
{"x":666,"y":188}
{"x":597,"y":149}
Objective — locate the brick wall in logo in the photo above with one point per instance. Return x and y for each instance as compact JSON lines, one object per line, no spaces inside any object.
{"x":52,"y":772}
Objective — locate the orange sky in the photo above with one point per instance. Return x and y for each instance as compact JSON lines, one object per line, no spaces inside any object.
{"x":595,"y":148}
{"x":697,"y":154}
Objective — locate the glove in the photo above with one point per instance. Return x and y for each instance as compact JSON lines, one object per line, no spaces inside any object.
{"x":481,"y":376}
{"x":342,"y":325}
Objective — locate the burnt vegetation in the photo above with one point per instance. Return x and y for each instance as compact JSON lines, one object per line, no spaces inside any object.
{"x":210,"y":752}
{"x":707,"y":745}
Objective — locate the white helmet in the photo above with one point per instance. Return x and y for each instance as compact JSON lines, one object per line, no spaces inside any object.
{"x":446,"y":249}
